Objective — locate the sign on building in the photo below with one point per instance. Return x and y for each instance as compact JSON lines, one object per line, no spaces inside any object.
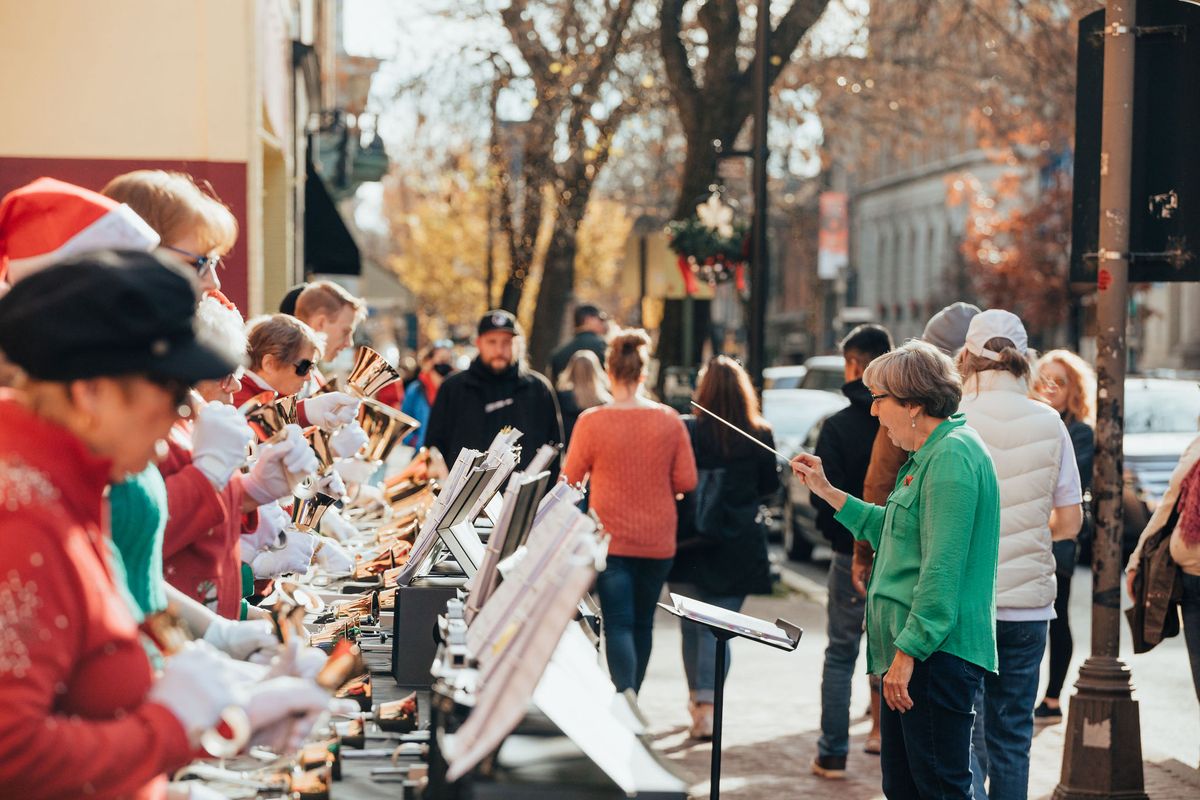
{"x":833,"y":241}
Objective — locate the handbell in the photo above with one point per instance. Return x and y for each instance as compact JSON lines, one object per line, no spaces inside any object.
{"x":307,"y":512}
{"x":384,"y":426}
{"x":318,"y":440}
{"x":268,"y":419}
{"x":371,"y":373}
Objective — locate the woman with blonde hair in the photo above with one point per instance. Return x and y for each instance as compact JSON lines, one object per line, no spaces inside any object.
{"x":1068,"y":384}
{"x":194,"y":225}
{"x":637,"y":457}
{"x":582,"y":385}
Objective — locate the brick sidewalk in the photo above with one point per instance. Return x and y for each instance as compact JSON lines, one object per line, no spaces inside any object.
{"x":773,"y":721}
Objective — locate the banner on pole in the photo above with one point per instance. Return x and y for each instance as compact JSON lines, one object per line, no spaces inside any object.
{"x":833,"y":242}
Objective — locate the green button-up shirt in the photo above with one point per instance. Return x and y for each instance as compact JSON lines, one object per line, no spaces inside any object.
{"x":933,"y":587}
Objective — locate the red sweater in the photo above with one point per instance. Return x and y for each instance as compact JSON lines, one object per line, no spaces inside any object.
{"x":638,"y":458}
{"x":74,"y":721}
{"x":202,"y":541}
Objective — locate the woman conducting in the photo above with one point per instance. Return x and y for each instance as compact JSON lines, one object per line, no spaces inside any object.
{"x":931,"y":599}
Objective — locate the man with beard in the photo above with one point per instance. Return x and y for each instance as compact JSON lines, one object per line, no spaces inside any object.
{"x":496,"y":391}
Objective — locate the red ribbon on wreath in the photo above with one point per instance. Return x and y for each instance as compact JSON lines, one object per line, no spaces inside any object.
{"x":690,"y":284}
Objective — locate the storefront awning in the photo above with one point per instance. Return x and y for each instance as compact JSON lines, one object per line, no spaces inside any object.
{"x":329,"y":247}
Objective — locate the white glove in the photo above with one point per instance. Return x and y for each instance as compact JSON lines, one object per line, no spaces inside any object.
{"x":332,"y":485}
{"x":271,"y":520}
{"x":355,"y":470}
{"x":283,"y":710}
{"x":280,"y":467}
{"x":297,"y":660}
{"x":194,"y":687}
{"x":240,"y":639}
{"x":348,"y":440}
{"x":367,"y":496}
{"x":192,"y":790}
{"x":220,"y":440}
{"x":294,"y":557}
{"x":333,"y":558}
{"x":331,"y":410}
{"x":334,"y":524}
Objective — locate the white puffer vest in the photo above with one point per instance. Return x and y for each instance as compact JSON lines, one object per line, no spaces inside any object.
{"x":1024,"y":440}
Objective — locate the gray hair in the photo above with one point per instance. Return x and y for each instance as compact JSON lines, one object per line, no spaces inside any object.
{"x":917,"y":373}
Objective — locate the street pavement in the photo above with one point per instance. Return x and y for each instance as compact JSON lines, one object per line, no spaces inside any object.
{"x":773,"y":707}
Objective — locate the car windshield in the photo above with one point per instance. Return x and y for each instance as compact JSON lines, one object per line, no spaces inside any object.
{"x":1172,"y":410}
{"x":824,"y":379}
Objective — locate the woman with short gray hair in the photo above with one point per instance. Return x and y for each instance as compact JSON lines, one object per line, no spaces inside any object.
{"x":930,"y":618}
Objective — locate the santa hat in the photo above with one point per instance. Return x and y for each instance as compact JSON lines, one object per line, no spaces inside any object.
{"x":49,"y":220}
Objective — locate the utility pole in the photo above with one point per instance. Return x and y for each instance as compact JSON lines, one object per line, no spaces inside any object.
{"x":1102,"y":756}
{"x":760,"y":267}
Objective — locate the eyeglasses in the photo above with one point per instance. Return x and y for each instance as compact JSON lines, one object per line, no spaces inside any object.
{"x":1047,"y":383}
{"x":303,"y":367}
{"x":875,"y":398}
{"x":202,"y":264}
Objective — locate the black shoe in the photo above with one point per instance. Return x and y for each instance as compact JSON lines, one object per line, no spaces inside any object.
{"x":831,"y":767}
{"x":1045,"y":715}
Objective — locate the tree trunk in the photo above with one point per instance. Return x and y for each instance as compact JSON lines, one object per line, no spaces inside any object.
{"x":557,"y":291}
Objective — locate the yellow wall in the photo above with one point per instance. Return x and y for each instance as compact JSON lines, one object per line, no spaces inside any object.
{"x":148,"y":79}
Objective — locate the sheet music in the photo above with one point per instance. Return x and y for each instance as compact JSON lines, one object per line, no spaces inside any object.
{"x":426,"y":542}
{"x":463,"y":542}
{"x":739,"y":623}
{"x":542,"y":459}
{"x":506,"y":463}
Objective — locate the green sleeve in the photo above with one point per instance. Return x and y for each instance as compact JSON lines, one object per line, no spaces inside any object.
{"x":864,"y":520}
{"x":949,"y":495}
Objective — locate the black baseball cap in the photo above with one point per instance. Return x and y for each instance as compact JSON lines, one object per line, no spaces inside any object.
{"x":288,"y":304}
{"x":107,"y":313}
{"x":498,"y":320}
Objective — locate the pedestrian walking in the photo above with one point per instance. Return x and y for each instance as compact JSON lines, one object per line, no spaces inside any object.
{"x":582,"y":385}
{"x":591,"y":326}
{"x":496,"y":391}
{"x":930,"y":618}
{"x":725,"y":559}
{"x":1040,"y":500}
{"x":844,"y":446}
{"x":1177,"y":518}
{"x":1068,"y":384}
{"x":636,"y":456}
{"x":422,"y":392}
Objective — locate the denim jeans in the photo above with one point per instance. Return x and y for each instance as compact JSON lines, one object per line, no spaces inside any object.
{"x":844,"y":632}
{"x":628,"y":590}
{"x":700,"y":646}
{"x":1007,"y":718}
{"x":1191,"y":625}
{"x":926,"y":751}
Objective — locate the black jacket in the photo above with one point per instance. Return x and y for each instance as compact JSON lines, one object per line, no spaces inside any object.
{"x":584,"y":340}
{"x":472,"y":406}
{"x":737,"y":566}
{"x":844,"y":447}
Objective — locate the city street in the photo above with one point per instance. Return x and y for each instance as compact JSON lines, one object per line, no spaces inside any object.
{"x":773,"y":708}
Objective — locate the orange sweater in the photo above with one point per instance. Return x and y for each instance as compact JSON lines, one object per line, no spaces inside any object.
{"x":638,"y":458}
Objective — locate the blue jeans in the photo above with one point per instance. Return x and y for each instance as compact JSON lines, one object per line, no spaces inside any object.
{"x":628,"y":590}
{"x":845,"y":609}
{"x":1007,"y":719}
{"x":700,"y":646}
{"x":926,"y":751}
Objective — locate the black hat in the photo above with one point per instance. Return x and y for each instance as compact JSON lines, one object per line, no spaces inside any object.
{"x":587,"y":311}
{"x":498,"y":320}
{"x":288,"y":304}
{"x":107,"y":313}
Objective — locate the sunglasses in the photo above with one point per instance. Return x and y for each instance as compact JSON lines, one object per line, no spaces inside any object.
{"x":202,"y":264}
{"x":303,"y":367}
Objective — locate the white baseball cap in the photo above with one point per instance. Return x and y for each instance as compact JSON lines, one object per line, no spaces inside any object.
{"x":995,"y":324}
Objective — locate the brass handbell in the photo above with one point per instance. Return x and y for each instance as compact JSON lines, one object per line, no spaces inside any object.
{"x":269,"y":419}
{"x":318,"y":440}
{"x":384,"y":426}
{"x":307,"y":512}
{"x":371,"y":373}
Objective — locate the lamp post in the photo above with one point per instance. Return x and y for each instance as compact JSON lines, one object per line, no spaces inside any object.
{"x":759,"y":266}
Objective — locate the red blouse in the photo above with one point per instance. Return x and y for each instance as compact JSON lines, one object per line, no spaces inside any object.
{"x":74,"y":720}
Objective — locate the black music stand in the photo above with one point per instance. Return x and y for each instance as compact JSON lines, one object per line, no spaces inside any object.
{"x":726,"y":625}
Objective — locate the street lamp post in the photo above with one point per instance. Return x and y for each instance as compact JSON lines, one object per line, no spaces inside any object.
{"x":1102,"y":756}
{"x":759,"y":266}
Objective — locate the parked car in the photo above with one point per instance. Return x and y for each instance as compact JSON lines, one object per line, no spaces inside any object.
{"x":825,"y":373}
{"x":796,"y":416}
{"x":1162,"y":416}
{"x":788,"y":377}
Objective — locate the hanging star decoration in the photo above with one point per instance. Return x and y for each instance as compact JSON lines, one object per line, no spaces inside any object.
{"x":711,"y":245}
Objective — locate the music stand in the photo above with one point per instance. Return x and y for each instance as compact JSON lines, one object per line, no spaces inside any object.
{"x":726,"y":625}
